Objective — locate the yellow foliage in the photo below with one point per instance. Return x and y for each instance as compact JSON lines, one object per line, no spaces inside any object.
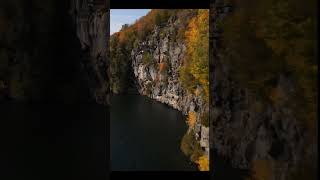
{"x":192,"y":118}
{"x":197,"y":92}
{"x":197,"y":40}
{"x":203,"y":163}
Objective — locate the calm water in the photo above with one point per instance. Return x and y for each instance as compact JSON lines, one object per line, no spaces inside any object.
{"x":146,"y":135}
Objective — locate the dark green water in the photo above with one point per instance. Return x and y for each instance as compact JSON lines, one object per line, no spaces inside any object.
{"x":146,"y":135}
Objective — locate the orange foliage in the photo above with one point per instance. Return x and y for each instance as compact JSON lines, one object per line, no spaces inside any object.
{"x":122,"y":37}
{"x":162,"y":66}
{"x":146,"y":23}
{"x":192,"y":118}
{"x":203,"y":163}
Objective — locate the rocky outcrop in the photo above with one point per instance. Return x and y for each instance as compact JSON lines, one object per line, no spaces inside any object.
{"x":91,"y":19}
{"x":242,"y":129}
{"x":155,"y":63}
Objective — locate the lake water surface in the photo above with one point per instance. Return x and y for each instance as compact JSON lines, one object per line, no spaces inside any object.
{"x":146,"y":135}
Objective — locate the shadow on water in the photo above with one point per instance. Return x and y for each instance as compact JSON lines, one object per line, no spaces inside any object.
{"x":146,"y":135}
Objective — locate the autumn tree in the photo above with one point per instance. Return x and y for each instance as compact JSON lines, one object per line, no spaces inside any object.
{"x":191,"y":147}
{"x":266,"y":39}
{"x":196,"y":64}
{"x":203,"y":163}
{"x":192,"y":118}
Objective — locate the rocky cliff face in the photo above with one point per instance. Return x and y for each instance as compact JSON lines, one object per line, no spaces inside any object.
{"x":246,"y":132}
{"x":91,"y":19}
{"x":39,"y":53}
{"x":155,"y":63}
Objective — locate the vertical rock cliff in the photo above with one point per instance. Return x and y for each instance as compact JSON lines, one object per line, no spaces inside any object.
{"x":159,"y":78}
{"x":154,"y":50}
{"x":39,"y":53}
{"x":91,"y":18}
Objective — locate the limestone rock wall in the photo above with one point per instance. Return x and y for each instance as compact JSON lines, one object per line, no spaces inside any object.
{"x":159,"y":78}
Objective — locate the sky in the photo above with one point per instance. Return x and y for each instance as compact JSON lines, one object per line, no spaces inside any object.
{"x":119,"y":17}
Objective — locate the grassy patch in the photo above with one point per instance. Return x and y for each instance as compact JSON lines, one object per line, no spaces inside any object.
{"x":146,"y":58}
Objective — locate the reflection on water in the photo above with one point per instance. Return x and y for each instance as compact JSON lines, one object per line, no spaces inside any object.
{"x":146,"y":135}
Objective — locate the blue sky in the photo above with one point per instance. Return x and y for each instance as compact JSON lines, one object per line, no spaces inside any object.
{"x":119,"y":17}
